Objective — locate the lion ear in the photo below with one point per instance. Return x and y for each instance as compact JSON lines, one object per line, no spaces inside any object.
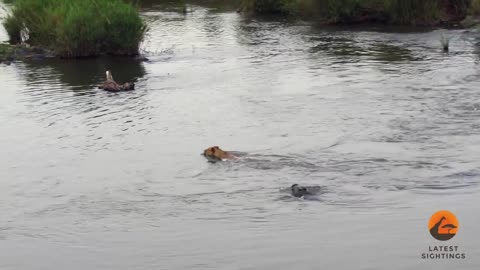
{"x":213,"y":149}
{"x":216,"y":147}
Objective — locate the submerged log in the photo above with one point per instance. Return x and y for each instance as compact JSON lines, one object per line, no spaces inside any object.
{"x":110,"y":85}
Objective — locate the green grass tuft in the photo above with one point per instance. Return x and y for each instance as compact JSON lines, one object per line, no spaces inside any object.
{"x":413,"y":11}
{"x":5,"y":49}
{"x":76,"y":28}
{"x":474,"y":8}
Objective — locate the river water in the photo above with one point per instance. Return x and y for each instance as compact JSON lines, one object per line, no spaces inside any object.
{"x":381,"y":119}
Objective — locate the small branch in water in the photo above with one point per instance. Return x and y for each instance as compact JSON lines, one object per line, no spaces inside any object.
{"x":445,"y":41}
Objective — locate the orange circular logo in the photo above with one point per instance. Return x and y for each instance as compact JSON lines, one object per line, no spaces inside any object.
{"x":443,"y":225}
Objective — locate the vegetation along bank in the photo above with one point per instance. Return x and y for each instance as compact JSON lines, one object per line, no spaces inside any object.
{"x":77,"y":28}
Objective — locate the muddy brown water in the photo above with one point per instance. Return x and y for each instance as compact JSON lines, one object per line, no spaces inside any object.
{"x":382,"y":120}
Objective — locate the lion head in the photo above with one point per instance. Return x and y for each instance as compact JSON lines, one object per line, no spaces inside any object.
{"x":216,"y":153}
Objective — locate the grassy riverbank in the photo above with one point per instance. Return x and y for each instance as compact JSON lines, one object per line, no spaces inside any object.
{"x":417,"y":12}
{"x":78,"y":28}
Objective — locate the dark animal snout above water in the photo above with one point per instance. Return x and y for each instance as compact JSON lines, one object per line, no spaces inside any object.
{"x":300,"y":191}
{"x":110,"y":85}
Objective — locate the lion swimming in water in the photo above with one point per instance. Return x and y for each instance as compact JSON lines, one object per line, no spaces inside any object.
{"x":214,"y":153}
